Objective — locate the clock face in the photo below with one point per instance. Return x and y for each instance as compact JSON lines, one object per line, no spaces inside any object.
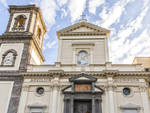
{"x":83,"y":58}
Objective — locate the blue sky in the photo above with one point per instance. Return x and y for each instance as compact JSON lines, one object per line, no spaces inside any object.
{"x":128,"y":20}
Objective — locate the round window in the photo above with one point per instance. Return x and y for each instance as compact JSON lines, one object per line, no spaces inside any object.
{"x":126,"y":91}
{"x":40,"y":90}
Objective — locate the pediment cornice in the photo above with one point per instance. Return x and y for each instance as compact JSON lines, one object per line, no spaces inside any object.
{"x":95,"y":30}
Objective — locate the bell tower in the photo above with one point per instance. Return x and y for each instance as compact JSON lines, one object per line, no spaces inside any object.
{"x":21,"y":44}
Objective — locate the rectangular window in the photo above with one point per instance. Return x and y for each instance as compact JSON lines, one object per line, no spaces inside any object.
{"x":130,"y":111}
{"x":36,"y":110}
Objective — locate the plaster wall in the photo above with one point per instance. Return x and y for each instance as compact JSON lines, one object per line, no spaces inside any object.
{"x":33,"y":20}
{"x":69,"y":67}
{"x":69,"y":48}
{"x":6,"y":89}
{"x":53,"y":94}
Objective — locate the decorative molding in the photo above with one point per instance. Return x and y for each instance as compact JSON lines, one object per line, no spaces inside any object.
{"x":40,"y":80}
{"x":25,"y":88}
{"x":130,"y":106}
{"x":99,"y":74}
{"x":143,"y":89}
{"x":126,"y":80}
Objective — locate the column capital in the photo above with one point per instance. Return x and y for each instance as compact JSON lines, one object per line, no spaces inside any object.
{"x":143,"y":88}
{"x":25,"y":88}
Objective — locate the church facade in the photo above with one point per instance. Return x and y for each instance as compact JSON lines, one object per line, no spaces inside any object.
{"x":83,"y":80}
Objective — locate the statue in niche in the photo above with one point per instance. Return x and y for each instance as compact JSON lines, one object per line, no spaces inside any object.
{"x":9,"y":58}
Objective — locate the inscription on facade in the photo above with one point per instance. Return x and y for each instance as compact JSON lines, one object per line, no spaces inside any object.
{"x":122,"y":80}
{"x":82,"y":87}
{"x":41,"y":80}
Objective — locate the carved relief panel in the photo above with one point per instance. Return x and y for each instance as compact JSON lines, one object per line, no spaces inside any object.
{"x":9,"y":57}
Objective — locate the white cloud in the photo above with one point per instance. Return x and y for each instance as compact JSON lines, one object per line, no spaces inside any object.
{"x":123,"y":44}
{"x":112,"y":15}
{"x":140,"y":46}
{"x":76,"y":7}
{"x":49,"y":9}
{"x":137,"y":22}
{"x":61,"y":2}
{"x":51,"y":44}
{"x":64,"y":13}
{"x":4,"y":3}
{"x":93,"y":4}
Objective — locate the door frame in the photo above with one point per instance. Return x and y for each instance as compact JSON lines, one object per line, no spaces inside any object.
{"x":70,"y":94}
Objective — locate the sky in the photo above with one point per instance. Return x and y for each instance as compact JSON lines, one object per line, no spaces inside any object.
{"x":128,"y":20}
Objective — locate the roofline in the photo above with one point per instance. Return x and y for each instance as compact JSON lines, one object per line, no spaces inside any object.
{"x":64,"y":29}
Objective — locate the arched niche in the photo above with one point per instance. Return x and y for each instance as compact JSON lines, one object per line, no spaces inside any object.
{"x":9,"y":57}
{"x":20,"y":21}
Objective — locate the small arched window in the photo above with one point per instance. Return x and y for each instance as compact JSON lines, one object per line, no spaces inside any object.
{"x":9,"y":57}
{"x":82,"y":58}
{"x":19,"y":22}
{"x":39,"y":33}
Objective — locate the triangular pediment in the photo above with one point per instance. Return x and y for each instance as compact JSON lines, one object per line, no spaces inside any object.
{"x":83,"y":27}
{"x":83,"y":78}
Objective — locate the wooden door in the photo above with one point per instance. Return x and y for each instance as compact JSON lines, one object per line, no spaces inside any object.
{"x":82,"y":107}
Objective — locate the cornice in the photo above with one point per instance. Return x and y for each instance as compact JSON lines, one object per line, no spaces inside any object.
{"x":16,"y":35}
{"x":83,"y":34}
{"x":105,"y":73}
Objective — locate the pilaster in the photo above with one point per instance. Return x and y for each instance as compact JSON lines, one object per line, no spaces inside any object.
{"x":23,"y":100}
{"x":145,"y":99}
{"x":55,"y":90}
{"x":110,"y":90}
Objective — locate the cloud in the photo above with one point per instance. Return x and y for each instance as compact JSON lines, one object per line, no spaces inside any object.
{"x":61,"y":2}
{"x":4,"y":3}
{"x":64,"y":13}
{"x":76,"y":7}
{"x":140,"y":46}
{"x":129,"y":47}
{"x":126,"y":51}
{"x":51,"y":44}
{"x":49,"y":9}
{"x":112,"y":15}
{"x":93,"y":4}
